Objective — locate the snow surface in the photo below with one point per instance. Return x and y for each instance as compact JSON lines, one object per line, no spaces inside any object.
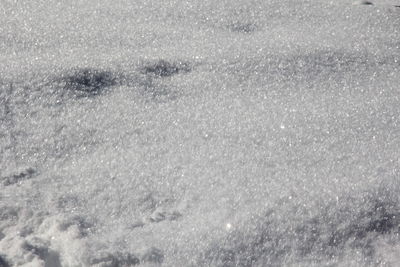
{"x":199,"y":133}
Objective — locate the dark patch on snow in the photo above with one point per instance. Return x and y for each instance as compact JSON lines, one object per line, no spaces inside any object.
{"x":37,"y":246}
{"x":157,"y":209}
{"x":161,"y":214}
{"x":154,"y":89}
{"x":330,"y":233}
{"x":152,"y":255}
{"x":84,"y":225}
{"x":87,"y":82}
{"x":6,"y":96}
{"x":242,"y":27}
{"x":4,"y":262}
{"x":320,"y":65}
{"x":19,"y":177}
{"x":163,"y":68}
{"x":26,"y":230}
{"x":136,"y":224}
{"x":366,"y":3}
{"x":41,"y":249}
{"x":379,"y":220}
{"x":152,"y":201}
{"x":9,"y":214}
{"x":115,"y":260}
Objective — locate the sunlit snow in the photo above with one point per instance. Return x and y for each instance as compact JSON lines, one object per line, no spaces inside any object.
{"x":199,"y":133}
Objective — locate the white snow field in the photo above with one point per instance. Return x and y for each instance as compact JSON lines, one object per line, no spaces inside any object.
{"x":199,"y":133}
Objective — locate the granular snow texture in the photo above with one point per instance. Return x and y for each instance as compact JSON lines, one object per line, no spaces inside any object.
{"x":199,"y":133}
